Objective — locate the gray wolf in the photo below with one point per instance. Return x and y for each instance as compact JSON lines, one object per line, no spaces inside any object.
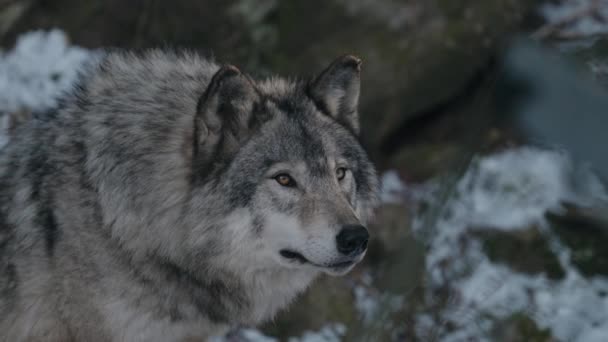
{"x":168,"y":198}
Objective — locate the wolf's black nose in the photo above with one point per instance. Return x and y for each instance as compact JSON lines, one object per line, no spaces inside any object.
{"x":352,"y":239}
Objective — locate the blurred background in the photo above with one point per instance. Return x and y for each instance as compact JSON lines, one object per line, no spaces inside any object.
{"x":486,"y":119}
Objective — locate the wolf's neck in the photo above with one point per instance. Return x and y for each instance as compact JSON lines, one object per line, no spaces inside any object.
{"x":248,"y":299}
{"x":220,"y":297}
{"x":273,"y":291}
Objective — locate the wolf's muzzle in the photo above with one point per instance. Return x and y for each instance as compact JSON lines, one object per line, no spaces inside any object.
{"x":352,"y":240}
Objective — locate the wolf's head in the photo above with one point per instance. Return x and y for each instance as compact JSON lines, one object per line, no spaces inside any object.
{"x":286,"y":160}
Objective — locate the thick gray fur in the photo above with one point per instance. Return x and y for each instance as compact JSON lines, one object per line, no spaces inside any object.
{"x":145,"y":208}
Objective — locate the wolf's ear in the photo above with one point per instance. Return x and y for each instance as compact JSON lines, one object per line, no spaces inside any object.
{"x":336,"y":91}
{"x":224,"y":111}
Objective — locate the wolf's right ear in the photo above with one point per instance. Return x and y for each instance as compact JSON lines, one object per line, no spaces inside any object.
{"x":224,"y":112}
{"x":336,"y":91}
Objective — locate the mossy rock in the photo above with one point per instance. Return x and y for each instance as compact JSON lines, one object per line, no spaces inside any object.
{"x":595,"y":49}
{"x":210,"y":26}
{"x":586,"y":234}
{"x":520,"y":327}
{"x":407,"y":68}
{"x":329,"y":300}
{"x":410,"y":64}
{"x":423,"y":161}
{"x":390,"y":225}
{"x":526,"y":251}
{"x":395,"y":256}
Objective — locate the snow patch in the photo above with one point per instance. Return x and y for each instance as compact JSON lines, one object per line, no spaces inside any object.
{"x":514,"y":189}
{"x":506,"y":191}
{"x":38,"y":70}
{"x":367,"y":304}
{"x":328,"y":333}
{"x":584,"y":17}
{"x":392,"y":188}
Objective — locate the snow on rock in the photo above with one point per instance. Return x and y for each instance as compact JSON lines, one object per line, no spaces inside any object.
{"x":391,"y":187}
{"x":243,"y":335}
{"x":328,"y":333}
{"x":584,"y":17}
{"x":38,"y":70}
{"x":512,"y":190}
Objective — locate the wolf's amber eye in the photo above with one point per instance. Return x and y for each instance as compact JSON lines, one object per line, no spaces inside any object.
{"x":285,"y":180}
{"x":340,"y":173}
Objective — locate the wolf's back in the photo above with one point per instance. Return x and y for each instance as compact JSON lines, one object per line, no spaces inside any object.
{"x":111,"y":151}
{"x":122,"y":132}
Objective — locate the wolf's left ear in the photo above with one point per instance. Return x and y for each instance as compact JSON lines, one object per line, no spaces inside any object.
{"x":336,"y":91}
{"x":225,"y":112}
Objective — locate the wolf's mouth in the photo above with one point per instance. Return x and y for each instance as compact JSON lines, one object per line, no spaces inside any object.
{"x":292,"y":255}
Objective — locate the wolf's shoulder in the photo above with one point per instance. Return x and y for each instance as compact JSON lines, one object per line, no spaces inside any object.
{"x":154,"y":64}
{"x":130,"y":80}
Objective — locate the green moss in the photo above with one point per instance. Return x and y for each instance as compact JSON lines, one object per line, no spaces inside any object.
{"x":329,"y":300}
{"x":520,"y":327}
{"x":587,"y":240}
{"x":524,"y":251}
{"x":421,"y":162}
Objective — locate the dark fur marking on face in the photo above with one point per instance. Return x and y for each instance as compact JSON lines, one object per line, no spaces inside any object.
{"x":313,"y":150}
{"x":294,"y":104}
{"x":281,"y":205}
{"x":286,"y":105}
{"x":241,"y":193}
{"x":257,"y":224}
{"x":360,"y":173}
